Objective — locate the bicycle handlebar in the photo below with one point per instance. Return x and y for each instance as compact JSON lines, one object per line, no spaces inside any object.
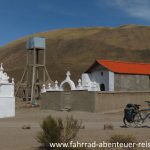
{"x":147,"y":101}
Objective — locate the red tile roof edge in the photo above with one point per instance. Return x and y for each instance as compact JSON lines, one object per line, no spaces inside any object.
{"x":126,"y":67}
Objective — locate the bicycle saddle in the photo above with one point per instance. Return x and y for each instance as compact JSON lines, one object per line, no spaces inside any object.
{"x":137,"y":105}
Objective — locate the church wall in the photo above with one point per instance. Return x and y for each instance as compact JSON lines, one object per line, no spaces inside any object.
{"x":128,"y":82}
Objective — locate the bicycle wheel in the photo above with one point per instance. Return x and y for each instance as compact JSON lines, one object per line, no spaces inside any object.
{"x":146,"y":118}
{"x":139,"y":119}
{"x":128,"y":124}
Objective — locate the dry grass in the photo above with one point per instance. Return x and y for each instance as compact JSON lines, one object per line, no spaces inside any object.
{"x":76,"y":49}
{"x":125,"y":139}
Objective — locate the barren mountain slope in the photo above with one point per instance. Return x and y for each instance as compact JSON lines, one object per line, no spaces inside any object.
{"x":76,"y":49}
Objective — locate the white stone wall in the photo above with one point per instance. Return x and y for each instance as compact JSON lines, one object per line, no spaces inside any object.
{"x":89,"y":81}
{"x":111,"y":81}
{"x":99,"y":77}
{"x":7,"y":98}
{"x":7,"y":90}
{"x":7,"y":107}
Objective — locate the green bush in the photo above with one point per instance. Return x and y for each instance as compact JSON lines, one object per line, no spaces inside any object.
{"x":55,"y":130}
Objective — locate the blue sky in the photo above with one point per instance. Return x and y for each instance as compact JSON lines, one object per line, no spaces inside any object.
{"x":19,"y":18}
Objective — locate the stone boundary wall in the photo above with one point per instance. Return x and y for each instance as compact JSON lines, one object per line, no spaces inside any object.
{"x":74,"y":100}
{"x":92,"y":101}
{"x":111,"y":101}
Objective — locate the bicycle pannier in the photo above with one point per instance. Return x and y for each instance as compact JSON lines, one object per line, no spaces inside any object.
{"x":129,"y":112}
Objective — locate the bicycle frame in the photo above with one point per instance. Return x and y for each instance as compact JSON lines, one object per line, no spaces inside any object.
{"x":147,"y":115}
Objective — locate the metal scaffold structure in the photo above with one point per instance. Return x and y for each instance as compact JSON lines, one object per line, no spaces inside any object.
{"x":35,"y":73}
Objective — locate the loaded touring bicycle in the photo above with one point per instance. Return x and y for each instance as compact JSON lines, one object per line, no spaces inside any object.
{"x":134,"y":116}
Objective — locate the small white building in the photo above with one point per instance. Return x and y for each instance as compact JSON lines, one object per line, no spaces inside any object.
{"x":7,"y":98}
{"x":110,"y":75}
{"x":99,"y":75}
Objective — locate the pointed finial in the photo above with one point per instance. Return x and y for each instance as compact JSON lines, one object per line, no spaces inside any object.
{"x":12,"y":80}
{"x":56,"y":82}
{"x":79,"y":81}
{"x":43,"y":85}
{"x":49,"y":85}
{"x":1,"y":68}
{"x":79,"y":86}
{"x":56,"y":85}
{"x":68,"y":73}
{"x":43,"y":90}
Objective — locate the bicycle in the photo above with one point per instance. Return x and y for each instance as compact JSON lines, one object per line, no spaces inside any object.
{"x":129,"y":113}
{"x":142,"y":115}
{"x":134,"y":116}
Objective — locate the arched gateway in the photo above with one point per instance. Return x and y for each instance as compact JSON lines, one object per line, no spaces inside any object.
{"x":67,"y":81}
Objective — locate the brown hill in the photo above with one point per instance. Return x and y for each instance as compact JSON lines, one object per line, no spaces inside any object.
{"x":76,"y":49}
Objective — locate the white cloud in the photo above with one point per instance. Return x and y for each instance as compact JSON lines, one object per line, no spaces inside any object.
{"x":135,"y":8}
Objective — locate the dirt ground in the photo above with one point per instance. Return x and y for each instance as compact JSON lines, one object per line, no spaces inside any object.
{"x":13,"y":137}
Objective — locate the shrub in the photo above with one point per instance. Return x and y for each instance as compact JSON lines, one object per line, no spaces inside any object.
{"x":71,"y":127}
{"x":55,"y":130}
{"x":123,"y":139}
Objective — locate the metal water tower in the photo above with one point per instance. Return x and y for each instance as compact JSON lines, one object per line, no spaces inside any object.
{"x":35,"y":73}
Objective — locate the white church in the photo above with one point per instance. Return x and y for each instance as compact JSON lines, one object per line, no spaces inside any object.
{"x":109,"y":75}
{"x":7,"y":97}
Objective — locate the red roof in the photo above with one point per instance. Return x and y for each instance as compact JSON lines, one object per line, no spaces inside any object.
{"x":125,"y":67}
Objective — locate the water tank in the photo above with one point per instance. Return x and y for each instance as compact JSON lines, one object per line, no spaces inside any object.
{"x":36,"y":42}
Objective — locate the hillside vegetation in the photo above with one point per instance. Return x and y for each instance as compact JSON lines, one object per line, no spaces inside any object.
{"x":76,"y":49}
